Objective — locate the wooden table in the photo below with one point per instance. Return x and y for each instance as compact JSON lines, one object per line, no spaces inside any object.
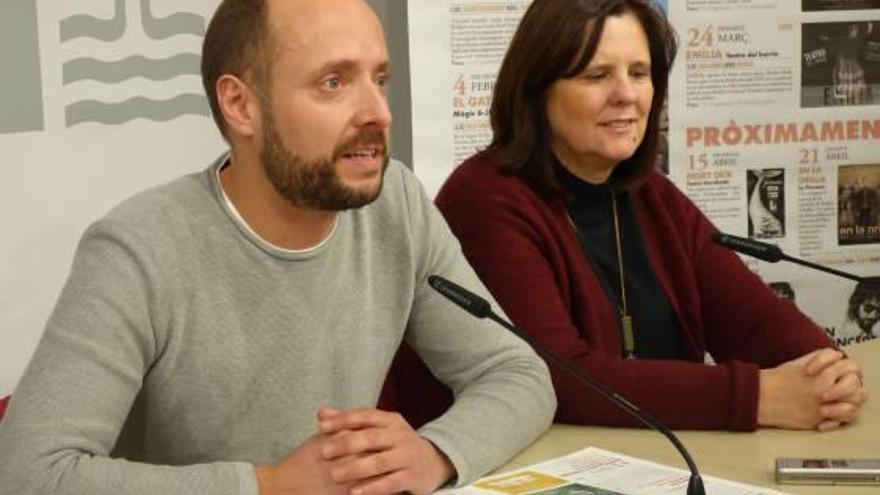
{"x":743,"y":457}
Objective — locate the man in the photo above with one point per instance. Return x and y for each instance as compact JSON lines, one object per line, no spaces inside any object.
{"x":867,"y":313}
{"x":228,"y":333}
{"x":862,"y":313}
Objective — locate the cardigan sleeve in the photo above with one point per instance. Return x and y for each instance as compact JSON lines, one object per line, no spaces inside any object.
{"x":536,"y":271}
{"x":743,"y":319}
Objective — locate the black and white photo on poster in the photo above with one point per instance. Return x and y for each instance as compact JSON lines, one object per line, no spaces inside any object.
{"x":846,"y":310}
{"x":817,"y":5}
{"x":766,"y":203}
{"x":861,"y":321}
{"x":840,"y":64}
{"x":858,"y":204}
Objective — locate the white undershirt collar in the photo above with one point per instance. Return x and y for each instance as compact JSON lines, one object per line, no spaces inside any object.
{"x":241,"y":221}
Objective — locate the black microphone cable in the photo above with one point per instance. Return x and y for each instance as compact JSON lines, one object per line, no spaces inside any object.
{"x":481,"y":308}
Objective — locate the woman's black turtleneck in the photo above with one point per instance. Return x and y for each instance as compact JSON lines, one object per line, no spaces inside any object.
{"x":655,"y":325}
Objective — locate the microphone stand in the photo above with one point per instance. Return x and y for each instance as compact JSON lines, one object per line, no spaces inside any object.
{"x":695,"y":483}
{"x":830,"y":270}
{"x":479,"y":307}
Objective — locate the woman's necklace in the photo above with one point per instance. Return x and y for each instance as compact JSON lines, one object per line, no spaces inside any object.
{"x":625,"y":318}
{"x":626,"y":323}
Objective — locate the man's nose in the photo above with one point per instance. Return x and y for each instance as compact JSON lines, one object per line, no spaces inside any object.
{"x":373,"y":106}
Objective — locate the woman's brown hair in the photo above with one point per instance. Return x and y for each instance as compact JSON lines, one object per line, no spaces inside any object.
{"x":556,"y":40}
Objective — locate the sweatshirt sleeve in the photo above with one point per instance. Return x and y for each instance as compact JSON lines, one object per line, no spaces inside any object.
{"x":508,"y":236}
{"x":76,"y":393}
{"x":504,"y":398}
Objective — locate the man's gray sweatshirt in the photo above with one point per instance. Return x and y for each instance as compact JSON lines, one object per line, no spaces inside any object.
{"x":184,"y":349}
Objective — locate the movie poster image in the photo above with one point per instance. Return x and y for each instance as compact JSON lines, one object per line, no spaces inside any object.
{"x":858,"y":204}
{"x":766,"y":203}
{"x":861,"y":320}
{"x":840,"y":64}
{"x":817,"y":5}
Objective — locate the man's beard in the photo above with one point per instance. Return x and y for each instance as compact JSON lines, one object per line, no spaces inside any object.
{"x":316,"y":184}
{"x":866,"y":323}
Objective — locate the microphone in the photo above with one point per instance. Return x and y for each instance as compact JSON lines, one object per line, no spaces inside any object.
{"x":481,"y":308}
{"x":772,"y":253}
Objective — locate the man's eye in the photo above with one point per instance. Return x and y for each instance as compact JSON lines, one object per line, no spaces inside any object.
{"x":333,"y":83}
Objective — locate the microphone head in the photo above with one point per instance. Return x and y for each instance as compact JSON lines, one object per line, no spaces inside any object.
{"x":761,"y":250}
{"x":464,"y":298}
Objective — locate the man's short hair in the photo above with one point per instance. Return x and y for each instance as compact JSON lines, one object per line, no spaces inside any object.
{"x":239,"y":42}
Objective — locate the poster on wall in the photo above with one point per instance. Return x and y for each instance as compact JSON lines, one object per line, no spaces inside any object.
{"x":775,"y":134}
{"x":455,"y":78}
{"x":773,"y":126}
{"x":105,"y":100}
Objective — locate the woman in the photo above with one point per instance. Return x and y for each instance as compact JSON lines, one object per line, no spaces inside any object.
{"x":599,"y":257}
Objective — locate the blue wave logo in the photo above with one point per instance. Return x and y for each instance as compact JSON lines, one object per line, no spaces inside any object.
{"x":136,"y":66}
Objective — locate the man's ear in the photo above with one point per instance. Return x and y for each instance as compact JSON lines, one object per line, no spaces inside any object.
{"x":239,"y":105}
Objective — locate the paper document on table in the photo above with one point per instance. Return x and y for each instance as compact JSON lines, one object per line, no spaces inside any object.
{"x":594,"y":471}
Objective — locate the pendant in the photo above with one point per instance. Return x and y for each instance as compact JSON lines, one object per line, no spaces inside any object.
{"x":629,"y":344}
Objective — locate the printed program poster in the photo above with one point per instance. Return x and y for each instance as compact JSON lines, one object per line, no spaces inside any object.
{"x":456,"y":48}
{"x":774,"y":132}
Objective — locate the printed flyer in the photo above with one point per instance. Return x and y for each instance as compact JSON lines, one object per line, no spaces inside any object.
{"x":594,"y":471}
